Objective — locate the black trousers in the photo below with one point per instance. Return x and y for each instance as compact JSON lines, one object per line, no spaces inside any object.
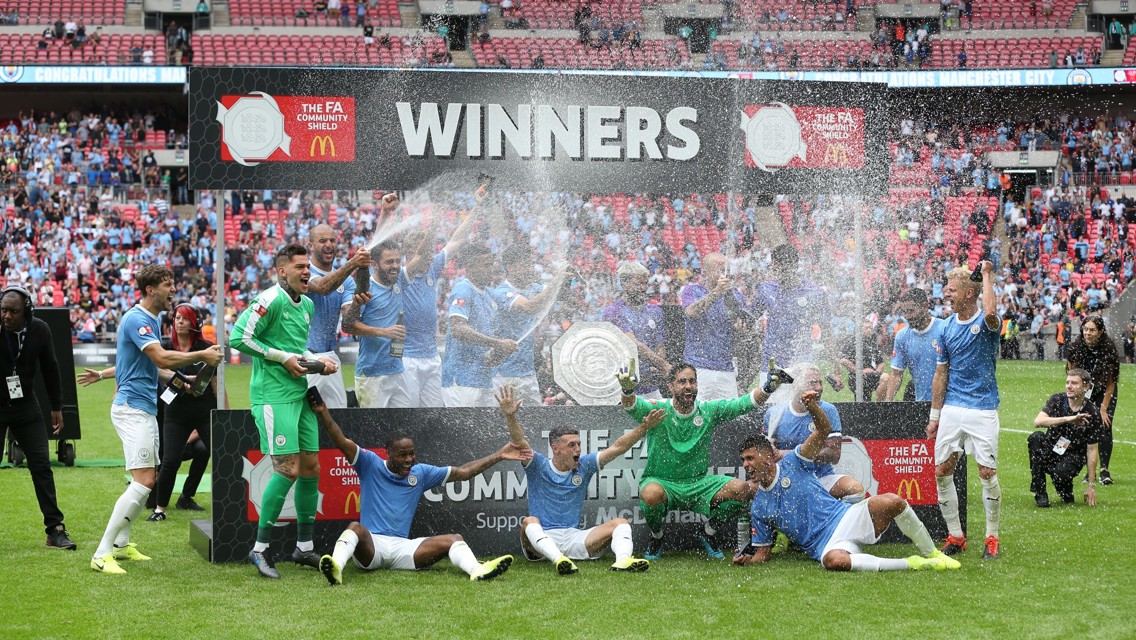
{"x":26,"y":425}
{"x":1043,"y":461}
{"x":1105,"y":446}
{"x":174,"y":437}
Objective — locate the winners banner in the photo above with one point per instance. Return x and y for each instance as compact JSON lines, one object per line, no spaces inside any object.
{"x":258,"y":128}
{"x":883,"y":447}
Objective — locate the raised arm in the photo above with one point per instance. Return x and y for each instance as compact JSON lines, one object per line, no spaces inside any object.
{"x":458,"y":237}
{"x":628,"y":380}
{"x":470,"y":469}
{"x":703,"y":304}
{"x":817,"y":440}
{"x":509,"y":405}
{"x":323,"y":416}
{"x":324,"y":285}
{"x":627,"y":440}
{"x":989,"y":300}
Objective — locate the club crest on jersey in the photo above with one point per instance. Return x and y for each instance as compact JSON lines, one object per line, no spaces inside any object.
{"x":577,"y":480}
{"x":340,"y":289}
{"x":307,"y":317}
{"x":802,"y":302}
{"x":144,"y":454}
{"x":651,"y":323}
{"x":974,"y":329}
{"x":812,"y":427}
{"x":397,"y":289}
{"x":698,"y":421}
{"x":281,"y":441}
{"x":412,"y":480}
{"x":429,"y":281}
{"x":786,"y":482}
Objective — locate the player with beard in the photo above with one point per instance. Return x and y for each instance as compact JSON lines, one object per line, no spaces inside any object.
{"x":330,"y":290}
{"x":557,"y":487}
{"x":916,"y":346}
{"x":678,"y":453}
{"x":274,"y":330}
{"x":373,"y":316}
{"x":134,"y":412}
{"x":389,"y":493}
{"x":643,"y":323}
{"x":790,"y":499}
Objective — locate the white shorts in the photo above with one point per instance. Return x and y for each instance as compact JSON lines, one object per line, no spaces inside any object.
{"x":424,"y":381}
{"x":382,"y":392}
{"x":138,"y":431}
{"x":854,"y":530}
{"x":831,"y":479}
{"x":569,"y":541}
{"x":392,"y":553}
{"x":524,"y":387}
{"x":784,"y":393}
{"x":330,"y":387}
{"x":456,"y":396}
{"x":717,"y":385}
{"x":971,"y":431}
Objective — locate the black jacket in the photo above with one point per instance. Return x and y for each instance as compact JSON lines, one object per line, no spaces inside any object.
{"x":37,"y":351}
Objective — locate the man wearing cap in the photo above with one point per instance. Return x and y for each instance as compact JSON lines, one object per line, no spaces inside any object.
{"x":641,"y":321}
{"x":792,"y":306}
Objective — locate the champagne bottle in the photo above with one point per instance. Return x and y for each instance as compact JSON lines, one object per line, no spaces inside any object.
{"x":204,"y":377}
{"x":976,"y":275}
{"x":744,"y":532}
{"x":397,"y":343}
{"x":363,"y":280}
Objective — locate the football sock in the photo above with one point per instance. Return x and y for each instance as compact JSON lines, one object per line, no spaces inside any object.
{"x":913,"y":528}
{"x":126,"y":509}
{"x":709,"y":528}
{"x":463,"y":558}
{"x":949,"y":505}
{"x":992,"y":500}
{"x":658,"y":535}
{"x":654,"y":515}
{"x":542,"y":543}
{"x":306,"y":496}
{"x":271,"y":502}
{"x":865,"y":562}
{"x":345,"y":547}
{"x":621,"y":544}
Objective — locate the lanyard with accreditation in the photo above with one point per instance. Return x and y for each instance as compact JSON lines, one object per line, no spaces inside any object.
{"x":15,"y":389}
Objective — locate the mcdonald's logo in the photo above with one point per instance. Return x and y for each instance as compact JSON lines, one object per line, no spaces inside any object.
{"x":347,"y":510}
{"x":836,"y":154}
{"x":325,"y":142}
{"x":909,"y":489}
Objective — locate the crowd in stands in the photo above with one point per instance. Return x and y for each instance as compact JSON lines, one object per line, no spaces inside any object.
{"x":78,"y":218}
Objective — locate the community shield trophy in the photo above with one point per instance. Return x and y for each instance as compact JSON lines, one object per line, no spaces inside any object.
{"x":586,"y":359}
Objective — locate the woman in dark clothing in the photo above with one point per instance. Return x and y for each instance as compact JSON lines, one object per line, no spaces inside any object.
{"x":1095,"y":351}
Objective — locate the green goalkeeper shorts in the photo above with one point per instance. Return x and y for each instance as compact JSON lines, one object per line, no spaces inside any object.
{"x":690,"y":495}
{"x":286,"y":427}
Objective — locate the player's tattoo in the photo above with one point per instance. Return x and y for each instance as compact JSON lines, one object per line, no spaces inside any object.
{"x":285,"y":465}
{"x":292,"y":293}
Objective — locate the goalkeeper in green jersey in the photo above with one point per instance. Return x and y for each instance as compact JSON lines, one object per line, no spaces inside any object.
{"x":678,"y":453}
{"x":274,"y":331}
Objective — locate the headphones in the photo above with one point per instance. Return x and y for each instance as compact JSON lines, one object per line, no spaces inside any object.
{"x":29,"y":305}
{"x":199,"y":317}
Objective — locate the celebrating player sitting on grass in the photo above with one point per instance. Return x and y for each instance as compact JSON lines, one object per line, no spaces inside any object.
{"x":388,"y":497}
{"x":791,"y":498}
{"x":678,"y":453}
{"x":557,"y":488}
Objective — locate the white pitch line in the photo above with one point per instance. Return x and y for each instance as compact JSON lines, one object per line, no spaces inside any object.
{"x":1028,"y":432}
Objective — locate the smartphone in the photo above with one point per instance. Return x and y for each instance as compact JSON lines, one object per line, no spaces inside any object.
{"x":314,"y":396}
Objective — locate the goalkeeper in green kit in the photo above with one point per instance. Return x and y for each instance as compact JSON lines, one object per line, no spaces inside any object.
{"x":678,"y":453}
{"x":274,"y":331}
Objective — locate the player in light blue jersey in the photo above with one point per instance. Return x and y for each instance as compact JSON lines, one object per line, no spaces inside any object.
{"x":422,"y":366}
{"x":964,"y":401}
{"x":791,"y":499}
{"x":557,"y":487}
{"x":330,"y":290}
{"x":789,"y":424}
{"x":916,"y":346}
{"x":389,"y":493}
{"x":521,"y":302}
{"x":467,"y":377}
{"x":134,"y":411}
{"x":374,"y":317}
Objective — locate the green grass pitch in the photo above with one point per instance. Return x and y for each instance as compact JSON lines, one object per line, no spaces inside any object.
{"x":1062,"y":573}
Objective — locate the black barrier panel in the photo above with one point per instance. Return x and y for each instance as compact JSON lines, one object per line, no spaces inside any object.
{"x":488,"y":509}
{"x":399,"y":129}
